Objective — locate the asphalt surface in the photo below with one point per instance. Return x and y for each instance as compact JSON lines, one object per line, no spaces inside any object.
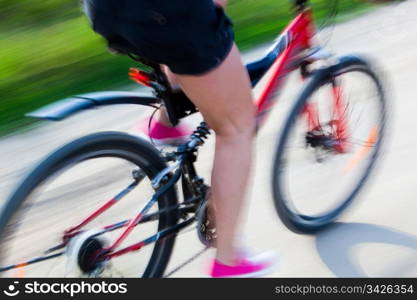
{"x":377,"y":238}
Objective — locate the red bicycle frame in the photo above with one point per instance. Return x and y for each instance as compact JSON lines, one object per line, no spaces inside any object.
{"x":297,"y":36}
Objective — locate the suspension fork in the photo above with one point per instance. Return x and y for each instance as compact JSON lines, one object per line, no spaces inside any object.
{"x":338,"y":122}
{"x":339,"y":117}
{"x":310,"y":109}
{"x":311,"y":114}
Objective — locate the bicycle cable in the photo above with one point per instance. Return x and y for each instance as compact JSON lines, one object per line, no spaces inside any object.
{"x":150,"y":124}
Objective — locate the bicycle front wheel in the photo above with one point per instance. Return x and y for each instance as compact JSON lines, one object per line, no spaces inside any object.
{"x":329,"y":145}
{"x":78,"y":202}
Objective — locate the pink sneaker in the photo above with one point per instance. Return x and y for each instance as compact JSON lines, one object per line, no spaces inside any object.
{"x":162,"y":135}
{"x":254,"y":266}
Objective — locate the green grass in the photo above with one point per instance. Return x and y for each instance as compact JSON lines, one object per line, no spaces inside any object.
{"x":257,"y":21}
{"x":51,"y":63}
{"x":62,"y":57}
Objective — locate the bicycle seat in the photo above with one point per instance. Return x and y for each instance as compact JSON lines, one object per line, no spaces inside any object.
{"x":178,"y":105}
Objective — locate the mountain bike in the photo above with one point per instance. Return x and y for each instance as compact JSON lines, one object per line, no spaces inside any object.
{"x":128,"y":212}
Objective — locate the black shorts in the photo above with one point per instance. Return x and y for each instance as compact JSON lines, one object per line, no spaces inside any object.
{"x":189,"y":36}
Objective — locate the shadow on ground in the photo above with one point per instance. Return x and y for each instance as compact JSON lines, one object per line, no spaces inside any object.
{"x":335,"y":248}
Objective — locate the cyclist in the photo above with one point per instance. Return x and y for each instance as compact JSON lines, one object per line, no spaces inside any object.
{"x":194,"y":39}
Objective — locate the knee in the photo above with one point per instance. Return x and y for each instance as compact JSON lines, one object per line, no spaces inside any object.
{"x":239,"y":127}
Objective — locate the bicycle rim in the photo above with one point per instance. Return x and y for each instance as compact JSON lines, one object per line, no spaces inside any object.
{"x":314,"y":184}
{"x":76,"y":188}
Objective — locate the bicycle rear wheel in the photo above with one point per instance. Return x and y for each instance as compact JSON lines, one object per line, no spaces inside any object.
{"x":329,"y":145}
{"x":108,"y":172}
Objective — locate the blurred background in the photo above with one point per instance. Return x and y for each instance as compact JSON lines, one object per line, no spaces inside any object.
{"x":48,"y":50}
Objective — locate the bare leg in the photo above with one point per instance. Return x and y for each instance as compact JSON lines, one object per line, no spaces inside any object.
{"x":224,"y":98}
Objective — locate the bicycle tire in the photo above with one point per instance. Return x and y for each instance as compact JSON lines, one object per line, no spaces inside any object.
{"x":115,"y":144}
{"x":307,"y":224}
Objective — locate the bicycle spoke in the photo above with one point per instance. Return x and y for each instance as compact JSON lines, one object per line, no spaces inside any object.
{"x":104,"y":207}
{"x":363,"y":151}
